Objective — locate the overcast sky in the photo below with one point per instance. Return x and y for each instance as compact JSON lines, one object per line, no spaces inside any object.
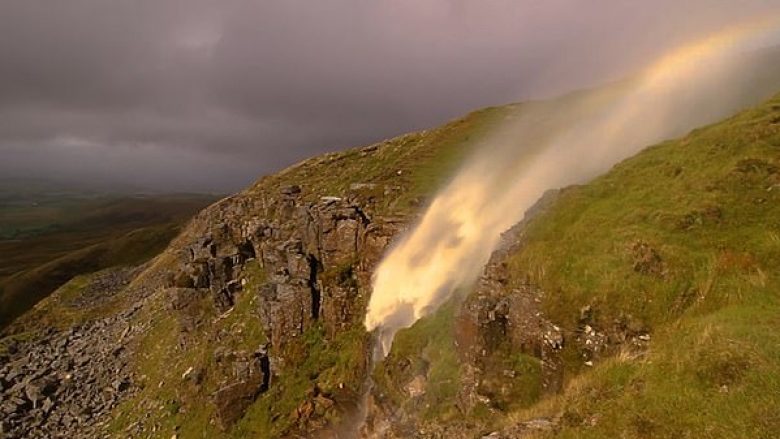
{"x":210,"y":95}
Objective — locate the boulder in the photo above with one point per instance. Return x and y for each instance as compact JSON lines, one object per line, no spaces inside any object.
{"x":232,"y":400}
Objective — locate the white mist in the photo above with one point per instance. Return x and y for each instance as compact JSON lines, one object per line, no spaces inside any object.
{"x":550,"y":145}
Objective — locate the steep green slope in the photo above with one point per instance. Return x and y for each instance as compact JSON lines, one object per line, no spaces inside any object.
{"x":684,"y":240}
{"x":401,"y":173}
{"x":681,"y":242}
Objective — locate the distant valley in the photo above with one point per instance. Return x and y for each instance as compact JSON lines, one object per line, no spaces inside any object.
{"x":50,"y":232}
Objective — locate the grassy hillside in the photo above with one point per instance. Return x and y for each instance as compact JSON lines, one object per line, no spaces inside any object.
{"x":411,"y":167}
{"x":684,"y":239}
{"x":62,"y":235}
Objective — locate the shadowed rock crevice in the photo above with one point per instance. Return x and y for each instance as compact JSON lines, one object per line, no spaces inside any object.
{"x":316,"y":295}
{"x":247,"y":251}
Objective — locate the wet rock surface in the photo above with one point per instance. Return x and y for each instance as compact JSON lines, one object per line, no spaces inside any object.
{"x":499,"y":318}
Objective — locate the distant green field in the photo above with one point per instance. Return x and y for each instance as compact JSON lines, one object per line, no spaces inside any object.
{"x":29,"y":218}
{"x":46,"y":238}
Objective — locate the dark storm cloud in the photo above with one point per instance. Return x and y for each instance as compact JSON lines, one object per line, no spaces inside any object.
{"x":208,"y":95}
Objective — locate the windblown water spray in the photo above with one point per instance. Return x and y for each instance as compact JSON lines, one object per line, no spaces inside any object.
{"x":552,"y":145}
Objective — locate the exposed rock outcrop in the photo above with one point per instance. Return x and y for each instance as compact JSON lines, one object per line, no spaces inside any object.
{"x":314,"y":259}
{"x":317,"y":258}
{"x":500,"y":319}
{"x":303,"y":263}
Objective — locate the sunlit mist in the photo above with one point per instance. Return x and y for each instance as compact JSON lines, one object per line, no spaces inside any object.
{"x":550,"y":145}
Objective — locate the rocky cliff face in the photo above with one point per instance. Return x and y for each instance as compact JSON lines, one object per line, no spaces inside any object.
{"x":249,"y":324}
{"x":305,"y":265}
{"x":255,"y":284}
{"x":316,"y":260}
{"x":247,"y":285}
